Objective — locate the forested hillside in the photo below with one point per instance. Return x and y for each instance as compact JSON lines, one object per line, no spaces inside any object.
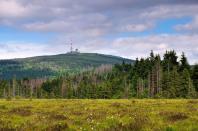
{"x":151,"y":77}
{"x":55,"y":65}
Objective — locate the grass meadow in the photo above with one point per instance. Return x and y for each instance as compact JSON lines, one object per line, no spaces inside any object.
{"x":99,"y":115}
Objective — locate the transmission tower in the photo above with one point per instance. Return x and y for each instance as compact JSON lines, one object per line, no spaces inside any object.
{"x":71,"y":48}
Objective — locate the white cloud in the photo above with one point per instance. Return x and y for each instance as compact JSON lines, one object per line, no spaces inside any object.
{"x":136,"y":27}
{"x":10,"y":8}
{"x":108,"y":16}
{"x":46,"y":27}
{"x":133,"y":47}
{"x":169,"y":11}
{"x":16,"y":49}
{"x":160,"y":43}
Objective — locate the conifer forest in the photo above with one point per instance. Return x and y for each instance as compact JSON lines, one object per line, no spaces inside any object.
{"x":153,"y":77}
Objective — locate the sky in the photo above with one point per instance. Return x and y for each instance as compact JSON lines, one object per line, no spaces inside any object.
{"x":126,"y":28}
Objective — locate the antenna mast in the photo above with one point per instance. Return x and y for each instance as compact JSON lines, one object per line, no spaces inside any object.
{"x":75,"y":51}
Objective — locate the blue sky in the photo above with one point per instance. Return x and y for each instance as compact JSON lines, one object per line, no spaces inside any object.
{"x":129,"y":28}
{"x":167,"y":25}
{"x":8,"y":33}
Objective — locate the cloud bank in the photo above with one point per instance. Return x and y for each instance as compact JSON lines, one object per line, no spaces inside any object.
{"x":90,"y":23}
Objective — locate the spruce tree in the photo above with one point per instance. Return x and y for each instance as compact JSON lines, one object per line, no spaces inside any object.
{"x":152,"y":57}
{"x":184,"y":63}
{"x":14,"y":87}
{"x":195,"y":76}
{"x":166,"y":84}
{"x":186,"y":89}
{"x":174,"y":83}
{"x":170,"y":60}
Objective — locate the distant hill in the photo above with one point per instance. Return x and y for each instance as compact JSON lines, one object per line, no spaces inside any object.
{"x":54,"y":65}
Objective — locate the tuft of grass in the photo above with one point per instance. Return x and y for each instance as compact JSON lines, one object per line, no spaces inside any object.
{"x":55,"y":116}
{"x":116,"y":105}
{"x":3,"y":107}
{"x":138,"y":124}
{"x":193,"y":102}
{"x":22,"y":111}
{"x":177,"y":116}
{"x":174,"y":116}
{"x":9,"y":98}
{"x":169,"y":128}
{"x":58,"y":127}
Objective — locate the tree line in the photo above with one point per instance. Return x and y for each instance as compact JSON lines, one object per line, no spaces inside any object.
{"x":150,"y":77}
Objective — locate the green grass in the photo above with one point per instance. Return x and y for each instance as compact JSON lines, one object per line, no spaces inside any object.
{"x":107,"y":115}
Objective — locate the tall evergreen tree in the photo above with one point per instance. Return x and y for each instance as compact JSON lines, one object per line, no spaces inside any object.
{"x":154,"y":78}
{"x":174,"y":83}
{"x":184,"y":63}
{"x":170,"y":60}
{"x":195,"y":76}
{"x":152,"y":57}
{"x":186,"y":89}
{"x":14,"y":86}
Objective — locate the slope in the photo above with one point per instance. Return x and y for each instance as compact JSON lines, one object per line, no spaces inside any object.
{"x":54,"y":65}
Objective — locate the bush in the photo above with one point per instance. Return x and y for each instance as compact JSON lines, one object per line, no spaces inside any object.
{"x":18,"y":97}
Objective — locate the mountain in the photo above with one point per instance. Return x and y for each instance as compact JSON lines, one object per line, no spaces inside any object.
{"x":54,"y":65}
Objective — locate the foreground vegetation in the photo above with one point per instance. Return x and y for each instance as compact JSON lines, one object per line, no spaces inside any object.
{"x":109,"y":115}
